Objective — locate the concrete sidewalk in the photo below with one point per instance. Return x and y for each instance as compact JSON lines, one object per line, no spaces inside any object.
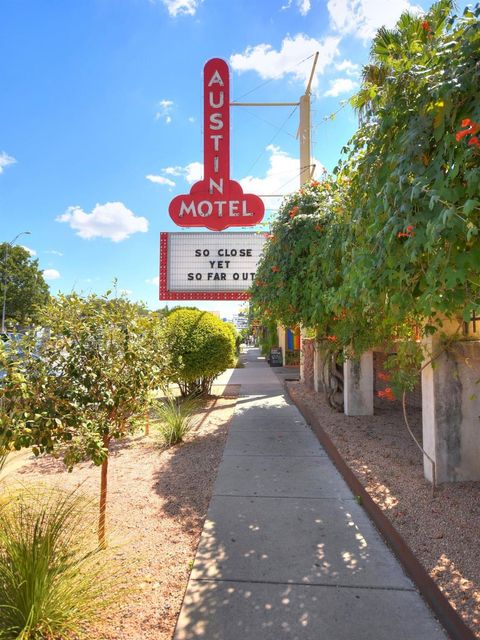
{"x":286,"y":552}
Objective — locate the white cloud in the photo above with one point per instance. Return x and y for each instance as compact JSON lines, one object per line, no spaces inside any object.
{"x":160,"y":180}
{"x":54,"y":253}
{"x":281,"y":178}
{"x":340,"y":86}
{"x":304,"y":6}
{"x":5,"y":160}
{"x":164,"y":110}
{"x":191,"y":119}
{"x":172,"y":171}
{"x":272,"y":64}
{"x":155,"y":281}
{"x":362,"y":18}
{"x":192,"y":172}
{"x":110,"y":220}
{"x":51,"y":274}
{"x":182,"y":7}
{"x":349,"y":67}
{"x":32,"y":252}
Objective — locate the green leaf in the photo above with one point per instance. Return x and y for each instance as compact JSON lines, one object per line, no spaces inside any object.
{"x":470,"y":205}
{"x":472,"y":231}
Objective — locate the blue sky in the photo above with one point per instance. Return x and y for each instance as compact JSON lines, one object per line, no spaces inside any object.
{"x":101,"y":117}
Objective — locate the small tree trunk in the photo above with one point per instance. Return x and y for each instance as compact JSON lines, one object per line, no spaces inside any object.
{"x":102,"y":540}
{"x":147,"y":423}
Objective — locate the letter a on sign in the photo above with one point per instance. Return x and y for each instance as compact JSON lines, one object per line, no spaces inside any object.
{"x":216,"y":202}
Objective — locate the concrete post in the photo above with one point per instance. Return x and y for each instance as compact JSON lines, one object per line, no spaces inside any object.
{"x":317,"y":369}
{"x":320,"y":367}
{"x":451,"y":410}
{"x":309,"y":363}
{"x":358,"y":386}
{"x":303,"y":338}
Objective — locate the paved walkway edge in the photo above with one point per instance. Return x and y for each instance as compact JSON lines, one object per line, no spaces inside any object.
{"x":443,"y":610}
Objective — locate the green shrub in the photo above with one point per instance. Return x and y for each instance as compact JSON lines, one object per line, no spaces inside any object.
{"x":201,"y":346}
{"x":269,"y":337}
{"x":237,"y":341}
{"x":54,"y":579}
{"x":176,"y":416}
{"x":292,"y":357}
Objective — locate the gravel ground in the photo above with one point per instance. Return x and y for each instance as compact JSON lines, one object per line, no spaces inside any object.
{"x":443,"y":531}
{"x":157,"y":504}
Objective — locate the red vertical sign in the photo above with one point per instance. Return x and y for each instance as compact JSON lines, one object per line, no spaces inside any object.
{"x":216,"y":202}
{"x":216,"y":122}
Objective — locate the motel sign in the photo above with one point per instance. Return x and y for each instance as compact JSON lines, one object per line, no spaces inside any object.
{"x":216,"y":202}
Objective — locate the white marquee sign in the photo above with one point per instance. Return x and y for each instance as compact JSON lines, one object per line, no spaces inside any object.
{"x":203,"y":266}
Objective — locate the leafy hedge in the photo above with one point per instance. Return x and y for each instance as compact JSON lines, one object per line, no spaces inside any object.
{"x":384,"y":248}
{"x":201,"y":346}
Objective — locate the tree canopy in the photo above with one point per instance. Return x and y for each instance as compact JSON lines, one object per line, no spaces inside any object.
{"x":26,"y":289}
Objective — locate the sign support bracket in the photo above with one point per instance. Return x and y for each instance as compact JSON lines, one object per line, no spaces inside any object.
{"x":304,"y":129}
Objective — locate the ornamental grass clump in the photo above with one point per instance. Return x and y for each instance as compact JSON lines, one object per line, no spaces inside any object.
{"x":4,"y":451}
{"x":54,"y":579}
{"x":176,"y":418}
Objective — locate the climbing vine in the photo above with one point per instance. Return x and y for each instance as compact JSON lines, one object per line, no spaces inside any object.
{"x":380,"y":251}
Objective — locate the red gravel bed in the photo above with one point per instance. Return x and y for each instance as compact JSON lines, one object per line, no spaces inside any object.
{"x":157,"y":502}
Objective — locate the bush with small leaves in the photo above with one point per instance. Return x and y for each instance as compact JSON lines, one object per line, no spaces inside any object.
{"x":201,"y":347}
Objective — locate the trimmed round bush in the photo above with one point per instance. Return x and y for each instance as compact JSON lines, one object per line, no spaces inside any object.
{"x":237,"y":341}
{"x":201,"y":346}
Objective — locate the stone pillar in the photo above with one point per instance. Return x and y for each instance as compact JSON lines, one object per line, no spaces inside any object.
{"x":358,"y":386}
{"x":303,"y":337}
{"x":309,"y":362}
{"x":318,"y":368}
{"x":451,"y":410}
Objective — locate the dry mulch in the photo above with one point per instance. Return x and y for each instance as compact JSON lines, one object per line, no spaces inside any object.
{"x":442,"y":531}
{"x":157,"y":503}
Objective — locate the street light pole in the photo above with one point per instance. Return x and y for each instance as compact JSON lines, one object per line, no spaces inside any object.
{"x":8,"y":244}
